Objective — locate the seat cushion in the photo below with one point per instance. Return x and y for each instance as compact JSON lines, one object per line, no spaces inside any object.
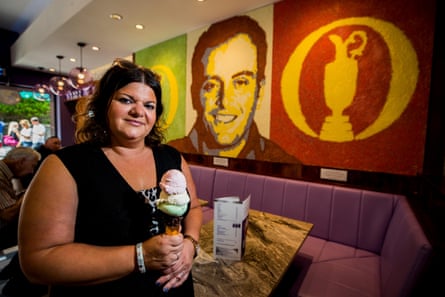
{"x":354,"y":277}
{"x":322,"y":250}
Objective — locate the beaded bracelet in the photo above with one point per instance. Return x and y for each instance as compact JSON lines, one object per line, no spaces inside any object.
{"x":140,"y":258}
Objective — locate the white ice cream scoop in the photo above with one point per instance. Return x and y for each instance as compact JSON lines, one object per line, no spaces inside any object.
{"x":174,"y":198}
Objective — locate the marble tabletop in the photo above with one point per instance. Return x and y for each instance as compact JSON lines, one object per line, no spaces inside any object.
{"x":271,"y":243}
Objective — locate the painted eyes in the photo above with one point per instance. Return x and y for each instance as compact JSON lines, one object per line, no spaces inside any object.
{"x":241,"y":82}
{"x":211,"y":86}
{"x":215,"y":85}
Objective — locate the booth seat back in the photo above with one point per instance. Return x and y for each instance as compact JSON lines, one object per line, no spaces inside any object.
{"x":353,"y":217}
{"x":204,"y":178}
{"x":405,"y":252}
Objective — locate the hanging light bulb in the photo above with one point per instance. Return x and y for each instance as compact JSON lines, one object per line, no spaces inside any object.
{"x":80,"y":77}
{"x":40,"y":92}
{"x":58,"y":85}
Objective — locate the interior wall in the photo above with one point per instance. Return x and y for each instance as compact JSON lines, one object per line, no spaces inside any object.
{"x":434,"y":165}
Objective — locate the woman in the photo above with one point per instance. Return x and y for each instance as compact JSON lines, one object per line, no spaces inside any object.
{"x":12,"y":138}
{"x":25,"y":134}
{"x":91,"y":204}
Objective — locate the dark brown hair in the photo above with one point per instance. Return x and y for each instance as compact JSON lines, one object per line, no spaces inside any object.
{"x":91,"y":120}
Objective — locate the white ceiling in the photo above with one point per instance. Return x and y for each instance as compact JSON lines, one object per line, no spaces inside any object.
{"x":54,"y":27}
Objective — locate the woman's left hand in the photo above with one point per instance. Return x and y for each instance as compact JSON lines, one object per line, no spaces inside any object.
{"x":178,"y":273}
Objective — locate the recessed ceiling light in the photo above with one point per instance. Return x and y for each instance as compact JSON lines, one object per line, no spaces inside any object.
{"x":116,"y":16}
{"x":73,"y":60}
{"x":52,"y":69}
{"x":95,"y":48}
{"x":139,"y":26}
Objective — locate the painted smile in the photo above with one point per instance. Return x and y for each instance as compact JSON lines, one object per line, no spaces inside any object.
{"x":224,"y":118}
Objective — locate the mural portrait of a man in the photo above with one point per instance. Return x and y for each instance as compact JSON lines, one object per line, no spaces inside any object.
{"x":228,"y":76}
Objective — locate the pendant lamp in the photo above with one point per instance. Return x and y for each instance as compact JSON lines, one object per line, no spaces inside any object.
{"x":80,"y":78}
{"x":58,"y":85}
{"x":40,"y":92}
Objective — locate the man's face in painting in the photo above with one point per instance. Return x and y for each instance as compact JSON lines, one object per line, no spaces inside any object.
{"x":230,"y":90}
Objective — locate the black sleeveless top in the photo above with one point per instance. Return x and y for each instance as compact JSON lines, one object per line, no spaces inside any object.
{"x":111,"y":213}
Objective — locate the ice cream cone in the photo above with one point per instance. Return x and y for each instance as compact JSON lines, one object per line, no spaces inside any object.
{"x":173,"y":200}
{"x":173,"y":225}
